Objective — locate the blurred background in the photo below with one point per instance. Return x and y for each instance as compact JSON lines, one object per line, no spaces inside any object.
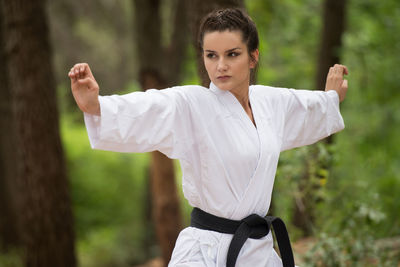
{"x":64,"y":204}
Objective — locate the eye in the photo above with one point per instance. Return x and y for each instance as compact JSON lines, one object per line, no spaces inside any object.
{"x":210,"y":55}
{"x":233,"y":54}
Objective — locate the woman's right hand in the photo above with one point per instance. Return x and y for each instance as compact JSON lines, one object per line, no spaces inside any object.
{"x":335,"y":80}
{"x":85,"y":88}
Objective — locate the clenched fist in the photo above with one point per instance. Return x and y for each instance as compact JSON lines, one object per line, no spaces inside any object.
{"x":335,"y":81}
{"x":85,"y":88}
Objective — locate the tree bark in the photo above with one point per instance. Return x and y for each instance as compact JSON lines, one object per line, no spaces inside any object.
{"x":334,"y":18}
{"x":8,"y":230}
{"x":45,"y":220}
{"x":198,"y":9}
{"x":333,"y":28}
{"x":160,"y":67}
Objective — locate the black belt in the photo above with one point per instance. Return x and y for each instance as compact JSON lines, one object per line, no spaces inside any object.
{"x":253,"y":226}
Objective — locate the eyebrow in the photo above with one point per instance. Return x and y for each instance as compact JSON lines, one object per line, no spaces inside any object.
{"x":230,"y":50}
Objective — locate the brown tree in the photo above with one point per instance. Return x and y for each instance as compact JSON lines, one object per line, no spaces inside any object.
{"x":160,"y":67}
{"x":44,"y":212}
{"x":8,"y":231}
{"x":334,"y":17}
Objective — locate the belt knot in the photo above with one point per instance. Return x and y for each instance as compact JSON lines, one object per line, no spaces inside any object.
{"x":257,"y":226}
{"x":253,"y":226}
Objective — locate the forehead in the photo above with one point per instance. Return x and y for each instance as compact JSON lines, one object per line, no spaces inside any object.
{"x":223,"y":40}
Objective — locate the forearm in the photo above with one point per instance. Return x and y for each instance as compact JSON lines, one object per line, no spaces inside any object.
{"x":91,"y":106}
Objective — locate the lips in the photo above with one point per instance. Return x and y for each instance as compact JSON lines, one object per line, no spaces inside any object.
{"x":223,"y":78}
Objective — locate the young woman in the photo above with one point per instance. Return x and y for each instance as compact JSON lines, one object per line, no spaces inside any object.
{"x":227,"y":138}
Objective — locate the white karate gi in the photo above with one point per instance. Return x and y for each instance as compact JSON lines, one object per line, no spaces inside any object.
{"x":228,"y":164}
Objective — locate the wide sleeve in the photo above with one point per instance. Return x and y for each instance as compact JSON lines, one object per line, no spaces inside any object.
{"x":141,"y":122}
{"x":308,"y":116}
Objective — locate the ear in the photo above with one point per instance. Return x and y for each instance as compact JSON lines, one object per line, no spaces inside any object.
{"x":254,"y":58}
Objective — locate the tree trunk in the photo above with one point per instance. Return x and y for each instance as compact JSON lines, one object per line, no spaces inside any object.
{"x":45,"y":220}
{"x":160,"y":68}
{"x":333,"y":28}
{"x":198,"y":9}
{"x":334,"y":16}
{"x":8,"y":231}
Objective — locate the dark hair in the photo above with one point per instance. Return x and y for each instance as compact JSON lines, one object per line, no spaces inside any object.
{"x":232,"y":19}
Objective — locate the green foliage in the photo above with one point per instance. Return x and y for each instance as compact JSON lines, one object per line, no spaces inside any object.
{"x":368,"y":158}
{"x":288,"y":41}
{"x":11,"y":258}
{"x":190,"y":68}
{"x":109,"y":199}
{"x":344,"y":250}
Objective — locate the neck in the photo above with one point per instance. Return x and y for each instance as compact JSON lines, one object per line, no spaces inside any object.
{"x":242,"y":94}
{"x":243,"y":97}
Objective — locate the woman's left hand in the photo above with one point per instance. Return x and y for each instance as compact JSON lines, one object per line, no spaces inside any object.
{"x":335,"y":81}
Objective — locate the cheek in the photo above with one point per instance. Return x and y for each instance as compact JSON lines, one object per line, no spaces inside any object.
{"x":208,"y":65}
{"x":243,"y":66}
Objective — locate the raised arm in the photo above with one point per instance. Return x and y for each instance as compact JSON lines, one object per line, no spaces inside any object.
{"x":142,"y":122}
{"x":310,"y":116}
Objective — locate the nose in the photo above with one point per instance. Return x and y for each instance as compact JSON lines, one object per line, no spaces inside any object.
{"x":222,"y":65}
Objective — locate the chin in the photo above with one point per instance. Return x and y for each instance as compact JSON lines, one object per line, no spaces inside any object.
{"x":223,"y":86}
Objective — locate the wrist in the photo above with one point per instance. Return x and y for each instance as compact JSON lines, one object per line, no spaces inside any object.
{"x":92,"y":108}
{"x":96,"y":110}
{"x":334,"y":94}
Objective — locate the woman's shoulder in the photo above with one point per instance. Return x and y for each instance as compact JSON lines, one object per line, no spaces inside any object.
{"x":270,"y":93}
{"x":191,"y":89}
{"x":268,"y":90}
{"x":193,"y":93}
{"x":200,"y":102}
{"x":273,"y":99}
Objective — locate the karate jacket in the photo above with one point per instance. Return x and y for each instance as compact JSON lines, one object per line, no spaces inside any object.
{"x":228,"y":163}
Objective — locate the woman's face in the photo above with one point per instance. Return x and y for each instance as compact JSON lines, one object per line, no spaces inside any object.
{"x":227,"y":61}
